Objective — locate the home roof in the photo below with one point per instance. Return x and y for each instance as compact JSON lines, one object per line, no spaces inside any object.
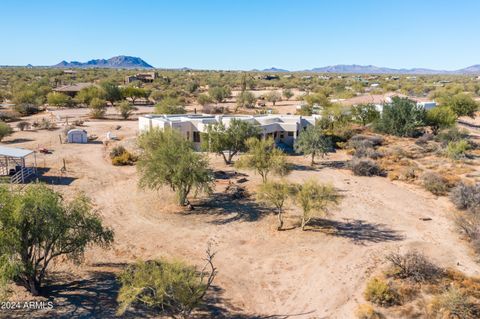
{"x":14,"y":152}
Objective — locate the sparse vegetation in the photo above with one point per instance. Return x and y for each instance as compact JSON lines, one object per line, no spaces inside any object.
{"x":5,"y":130}
{"x":365,"y":167}
{"x":168,"y":159}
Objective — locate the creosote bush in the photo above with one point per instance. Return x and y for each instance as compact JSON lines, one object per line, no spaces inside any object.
{"x":466,"y":196}
{"x":366,"y":311}
{"x":435,"y":183}
{"x":381,"y":292}
{"x":365,"y":167}
{"x":454,"y":303}
{"x":413,"y":266}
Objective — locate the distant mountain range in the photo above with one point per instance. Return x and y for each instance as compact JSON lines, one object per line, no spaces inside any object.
{"x":117,"y":62}
{"x":129,"y":62}
{"x":372,"y":69}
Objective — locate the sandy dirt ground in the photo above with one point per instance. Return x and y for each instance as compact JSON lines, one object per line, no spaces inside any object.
{"x":263,"y":273}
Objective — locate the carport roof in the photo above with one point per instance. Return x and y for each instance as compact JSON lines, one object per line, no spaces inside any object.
{"x":14,"y":152}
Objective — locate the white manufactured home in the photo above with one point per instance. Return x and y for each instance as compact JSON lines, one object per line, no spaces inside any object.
{"x":282,"y":128}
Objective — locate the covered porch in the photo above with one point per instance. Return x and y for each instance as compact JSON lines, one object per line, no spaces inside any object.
{"x":17,"y":164}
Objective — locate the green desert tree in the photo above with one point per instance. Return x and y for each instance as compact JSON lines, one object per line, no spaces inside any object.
{"x":169,"y":159}
{"x":462,"y":104}
{"x":315,"y":200}
{"x":246,"y":99}
{"x":228,"y":141}
{"x":365,"y":113}
{"x":313,"y":142}
{"x":440,"y":117}
{"x":401,"y":117}
{"x":219,"y":93}
{"x":111,"y":92}
{"x":275,"y":194}
{"x":204,"y":99}
{"x":170,"y":105}
{"x":125,"y":109}
{"x":172,"y":288}
{"x":39,"y":226}
{"x":5,"y":130}
{"x":273,"y":97}
{"x":287,"y":93}
{"x":98,"y":108}
{"x":58,"y":99}
{"x":264,"y":158}
{"x":86,"y":95}
{"x":134,"y":93}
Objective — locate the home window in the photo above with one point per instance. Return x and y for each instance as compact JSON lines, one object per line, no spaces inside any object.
{"x":196,"y":137}
{"x":290,"y":133}
{"x":281,"y":135}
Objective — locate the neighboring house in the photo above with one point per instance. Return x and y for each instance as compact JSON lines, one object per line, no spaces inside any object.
{"x":284,"y":129}
{"x":147,"y":77}
{"x":72,"y":89}
{"x":427,"y":105}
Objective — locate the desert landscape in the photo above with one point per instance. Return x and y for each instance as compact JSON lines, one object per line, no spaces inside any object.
{"x":240,"y":159}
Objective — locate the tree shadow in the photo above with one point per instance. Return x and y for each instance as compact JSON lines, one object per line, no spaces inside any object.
{"x":228,"y":209}
{"x":216,"y":306}
{"x":300,"y":167}
{"x":18,"y":140}
{"x":359,"y":231}
{"x":53,"y":179}
{"x":333,"y":164}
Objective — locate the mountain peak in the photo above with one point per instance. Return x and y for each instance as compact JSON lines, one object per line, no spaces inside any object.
{"x":116,"y":62}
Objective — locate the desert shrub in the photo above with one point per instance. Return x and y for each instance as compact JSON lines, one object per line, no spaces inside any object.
{"x":98,"y":108}
{"x":466,"y":196}
{"x":381,"y":292}
{"x":365,"y":167}
{"x":173,"y":289}
{"x":457,"y":150}
{"x":23,"y":125}
{"x":5,"y":130}
{"x":44,"y":124}
{"x":435,"y":183}
{"x":213,"y":109}
{"x":469,"y":224}
{"x":454,"y":303}
{"x":374,"y":140}
{"x":121,"y":157}
{"x":26,"y":109}
{"x":366,"y":311}
{"x":77,"y":122}
{"x":424,"y":139}
{"x":451,"y":135}
{"x":9,"y":116}
{"x":413,"y":266}
{"x":125,"y":158}
{"x":117,"y":151}
{"x":409,"y":173}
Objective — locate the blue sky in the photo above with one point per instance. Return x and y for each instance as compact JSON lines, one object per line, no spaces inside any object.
{"x":243,"y":34}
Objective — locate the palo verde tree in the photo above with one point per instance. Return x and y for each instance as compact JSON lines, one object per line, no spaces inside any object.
{"x":58,"y":99}
{"x":5,"y":130}
{"x":315,"y":199}
{"x":401,"y":117}
{"x":219,"y":93}
{"x":462,"y":104}
{"x":273,"y":97}
{"x":228,"y":141}
{"x":246,"y":99}
{"x":313,"y":142}
{"x":263,"y":157}
{"x":169,"y":159}
{"x":440,"y":117}
{"x":134,"y":93}
{"x":174,"y":289}
{"x":275,"y":194}
{"x":287,"y":94}
{"x":170,"y":105}
{"x":111,"y":92}
{"x":125,"y":109}
{"x":37,"y":226}
{"x":365,"y":113}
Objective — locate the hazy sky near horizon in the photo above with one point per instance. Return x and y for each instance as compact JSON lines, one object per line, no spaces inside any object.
{"x":244,"y":34}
